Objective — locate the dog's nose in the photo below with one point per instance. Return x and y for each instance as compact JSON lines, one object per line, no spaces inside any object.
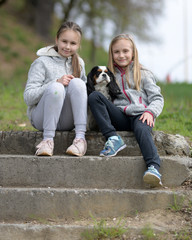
{"x":104,"y":75}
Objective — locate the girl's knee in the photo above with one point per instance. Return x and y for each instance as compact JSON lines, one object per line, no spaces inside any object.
{"x":55,"y":90}
{"x":142,"y":129}
{"x":77,"y":83}
{"x":93,"y":96}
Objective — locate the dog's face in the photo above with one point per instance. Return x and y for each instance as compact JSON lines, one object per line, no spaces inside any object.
{"x":100,"y":74}
{"x":99,"y":79}
{"x":103,"y":80}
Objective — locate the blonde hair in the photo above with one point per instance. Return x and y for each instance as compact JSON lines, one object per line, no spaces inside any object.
{"x":136,"y":64}
{"x":75,"y":58}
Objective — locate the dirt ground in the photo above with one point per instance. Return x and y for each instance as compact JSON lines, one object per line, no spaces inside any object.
{"x":174,"y":223}
{"x":170,"y":224}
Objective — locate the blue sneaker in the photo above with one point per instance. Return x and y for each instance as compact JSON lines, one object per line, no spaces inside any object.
{"x":152,"y":177}
{"x":113,"y":145}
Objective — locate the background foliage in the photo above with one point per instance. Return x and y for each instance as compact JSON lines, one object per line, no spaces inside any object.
{"x":18,"y":44}
{"x":100,"y":20}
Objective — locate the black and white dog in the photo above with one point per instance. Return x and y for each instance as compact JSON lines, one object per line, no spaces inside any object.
{"x":101,"y":79}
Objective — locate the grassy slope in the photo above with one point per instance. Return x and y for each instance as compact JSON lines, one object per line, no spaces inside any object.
{"x":18,"y":45}
{"x":17,"y":51}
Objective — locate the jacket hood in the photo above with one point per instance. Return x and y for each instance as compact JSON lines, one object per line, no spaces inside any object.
{"x":48,"y":51}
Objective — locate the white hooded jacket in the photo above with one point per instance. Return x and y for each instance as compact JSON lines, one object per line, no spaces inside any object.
{"x":46,"y":69}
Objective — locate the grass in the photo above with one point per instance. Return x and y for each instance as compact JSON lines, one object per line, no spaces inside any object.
{"x":102,"y":231}
{"x":148,"y":233}
{"x":184,"y":206}
{"x":178,"y":204}
{"x":177,"y":113}
{"x":183,"y":235}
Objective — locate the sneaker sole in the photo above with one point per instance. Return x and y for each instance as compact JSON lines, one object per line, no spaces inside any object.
{"x":75,"y":154}
{"x":152,"y":180}
{"x":112,"y":155}
{"x":44,"y":154}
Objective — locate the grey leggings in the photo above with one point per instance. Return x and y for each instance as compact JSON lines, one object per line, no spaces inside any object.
{"x":62,"y":108}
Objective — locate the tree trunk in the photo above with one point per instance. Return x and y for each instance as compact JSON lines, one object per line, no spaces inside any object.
{"x":2,"y":2}
{"x":43,"y":17}
{"x":68,"y":9}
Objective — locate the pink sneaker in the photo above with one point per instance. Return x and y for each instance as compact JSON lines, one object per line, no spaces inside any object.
{"x":78,"y":148}
{"x":45,"y":148}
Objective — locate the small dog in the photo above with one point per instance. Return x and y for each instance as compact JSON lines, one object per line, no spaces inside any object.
{"x":101,"y":79}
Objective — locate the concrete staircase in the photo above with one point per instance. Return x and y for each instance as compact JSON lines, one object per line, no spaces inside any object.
{"x":63,"y":188}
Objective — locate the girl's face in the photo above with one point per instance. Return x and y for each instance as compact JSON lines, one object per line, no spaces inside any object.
{"x":122,"y":52}
{"x":68,"y":43}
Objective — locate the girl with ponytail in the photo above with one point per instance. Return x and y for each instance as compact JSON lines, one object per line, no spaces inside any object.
{"x":55,"y":92}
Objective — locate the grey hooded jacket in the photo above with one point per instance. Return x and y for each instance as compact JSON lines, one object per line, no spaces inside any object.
{"x":46,"y":69}
{"x":133,"y":102}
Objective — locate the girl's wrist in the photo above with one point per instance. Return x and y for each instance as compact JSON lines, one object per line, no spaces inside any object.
{"x":59,"y":80}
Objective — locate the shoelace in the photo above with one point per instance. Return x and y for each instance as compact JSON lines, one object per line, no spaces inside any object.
{"x":109,"y":143}
{"x":49,"y":142}
{"x":152,"y":168}
{"x":78,"y":140}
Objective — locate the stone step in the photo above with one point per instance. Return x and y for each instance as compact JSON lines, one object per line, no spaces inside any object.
{"x":25,"y":142}
{"x":51,"y":231}
{"x":88,"y":171}
{"x":26,"y":231}
{"x":17,"y":204}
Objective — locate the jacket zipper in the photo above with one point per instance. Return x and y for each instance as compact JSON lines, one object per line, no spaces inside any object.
{"x":122,"y":74}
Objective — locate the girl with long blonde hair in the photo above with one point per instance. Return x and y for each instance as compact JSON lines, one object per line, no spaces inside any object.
{"x":135,"y":109}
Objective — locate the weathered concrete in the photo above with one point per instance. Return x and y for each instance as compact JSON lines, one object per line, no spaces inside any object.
{"x":31,"y":231}
{"x":41,"y":232}
{"x":66,"y":187}
{"x":28,"y":203}
{"x":25,"y":142}
{"x":87,"y":171}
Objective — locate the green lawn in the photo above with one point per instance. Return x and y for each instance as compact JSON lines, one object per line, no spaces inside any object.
{"x":176,"y":117}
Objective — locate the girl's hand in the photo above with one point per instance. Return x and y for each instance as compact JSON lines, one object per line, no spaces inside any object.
{"x":65,"y":79}
{"x":147,"y":117}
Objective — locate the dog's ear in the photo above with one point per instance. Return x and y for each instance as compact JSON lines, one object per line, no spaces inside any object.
{"x":90,"y":83}
{"x":113,"y":87}
{"x":111,"y":75}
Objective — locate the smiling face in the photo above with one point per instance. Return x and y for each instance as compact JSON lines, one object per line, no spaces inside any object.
{"x":122,"y":52}
{"x":68,"y":43}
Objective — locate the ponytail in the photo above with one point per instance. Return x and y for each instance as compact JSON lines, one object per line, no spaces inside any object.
{"x":76,"y":66}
